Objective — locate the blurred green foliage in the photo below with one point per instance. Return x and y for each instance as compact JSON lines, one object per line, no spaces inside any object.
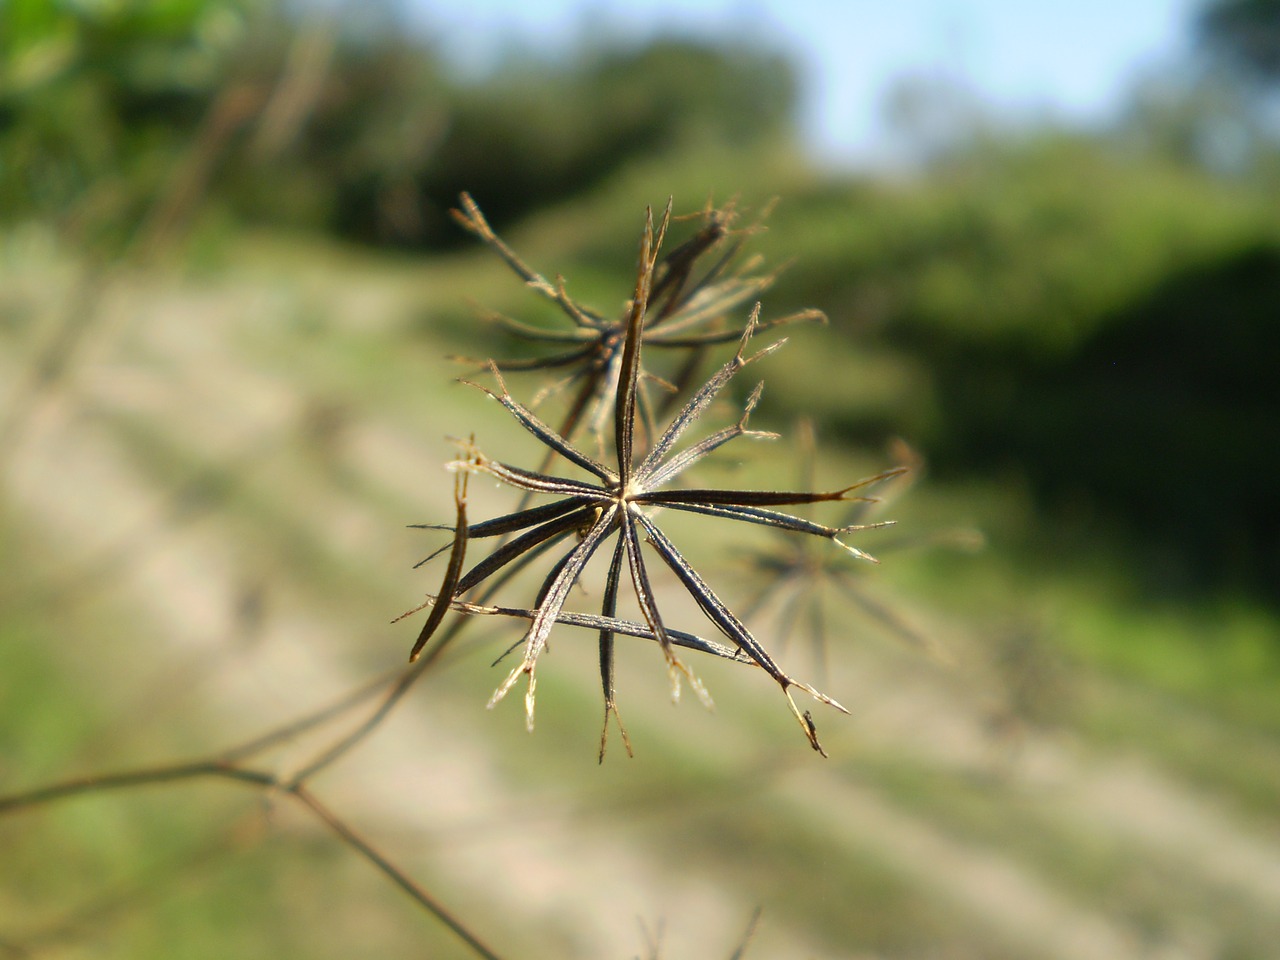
{"x":1095,"y":321}
{"x":1088,"y":312}
{"x":128,"y":115}
{"x":1058,"y":310}
{"x":98,"y":100}
{"x":1245,"y":34}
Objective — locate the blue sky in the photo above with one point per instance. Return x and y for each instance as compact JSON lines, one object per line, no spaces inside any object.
{"x":1070,"y":59}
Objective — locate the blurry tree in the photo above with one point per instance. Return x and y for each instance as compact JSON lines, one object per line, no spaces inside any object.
{"x":1166,"y":405}
{"x":537,"y":131}
{"x":117,"y":121}
{"x":346,"y":149}
{"x":1091,"y":318}
{"x":1219,"y":108}
{"x":933,"y":118}
{"x":1244,"y":34}
{"x":1193,"y":116}
{"x":99,"y":101}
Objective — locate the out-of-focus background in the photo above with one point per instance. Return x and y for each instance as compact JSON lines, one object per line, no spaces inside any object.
{"x":1047,"y":241}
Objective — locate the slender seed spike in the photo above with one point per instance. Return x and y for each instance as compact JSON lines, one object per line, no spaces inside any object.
{"x":412,"y":610}
{"x":857,"y":527}
{"x":575,"y":335}
{"x":529,"y":480}
{"x":768,"y":518}
{"x":607,"y":609}
{"x":698,"y":403}
{"x":711,"y":605}
{"x":740,"y":498}
{"x":860,"y":554}
{"x":529,"y":701}
{"x":522,"y":546}
{"x":820,"y":696}
{"x":625,"y":402}
{"x":505,"y":687}
{"x":622,"y":731}
{"x":454,"y":570}
{"x":662,"y":235}
{"x":427,"y":559}
{"x":593,"y":622}
{"x":505,"y":653}
{"x":812,"y":730}
{"x":648,"y":605}
{"x":522,"y":519}
{"x":676,"y":267}
{"x":699,"y":688}
{"x":527,"y":419}
{"x":472,"y":220}
{"x":556,"y":589}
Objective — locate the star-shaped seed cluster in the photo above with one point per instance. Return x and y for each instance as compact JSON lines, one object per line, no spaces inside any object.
{"x":619,"y":501}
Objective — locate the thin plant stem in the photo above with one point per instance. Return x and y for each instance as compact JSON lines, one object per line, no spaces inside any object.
{"x":263,"y":780}
{"x":339,"y":748}
{"x":310,"y":721}
{"x":127,"y":779}
{"x":397,"y":876}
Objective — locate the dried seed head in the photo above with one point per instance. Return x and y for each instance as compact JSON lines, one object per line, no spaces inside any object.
{"x":627,"y":486}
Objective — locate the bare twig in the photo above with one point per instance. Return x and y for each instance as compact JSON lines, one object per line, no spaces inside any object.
{"x":217,"y":768}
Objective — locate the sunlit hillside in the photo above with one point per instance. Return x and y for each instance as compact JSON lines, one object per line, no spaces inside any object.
{"x":226,"y":392}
